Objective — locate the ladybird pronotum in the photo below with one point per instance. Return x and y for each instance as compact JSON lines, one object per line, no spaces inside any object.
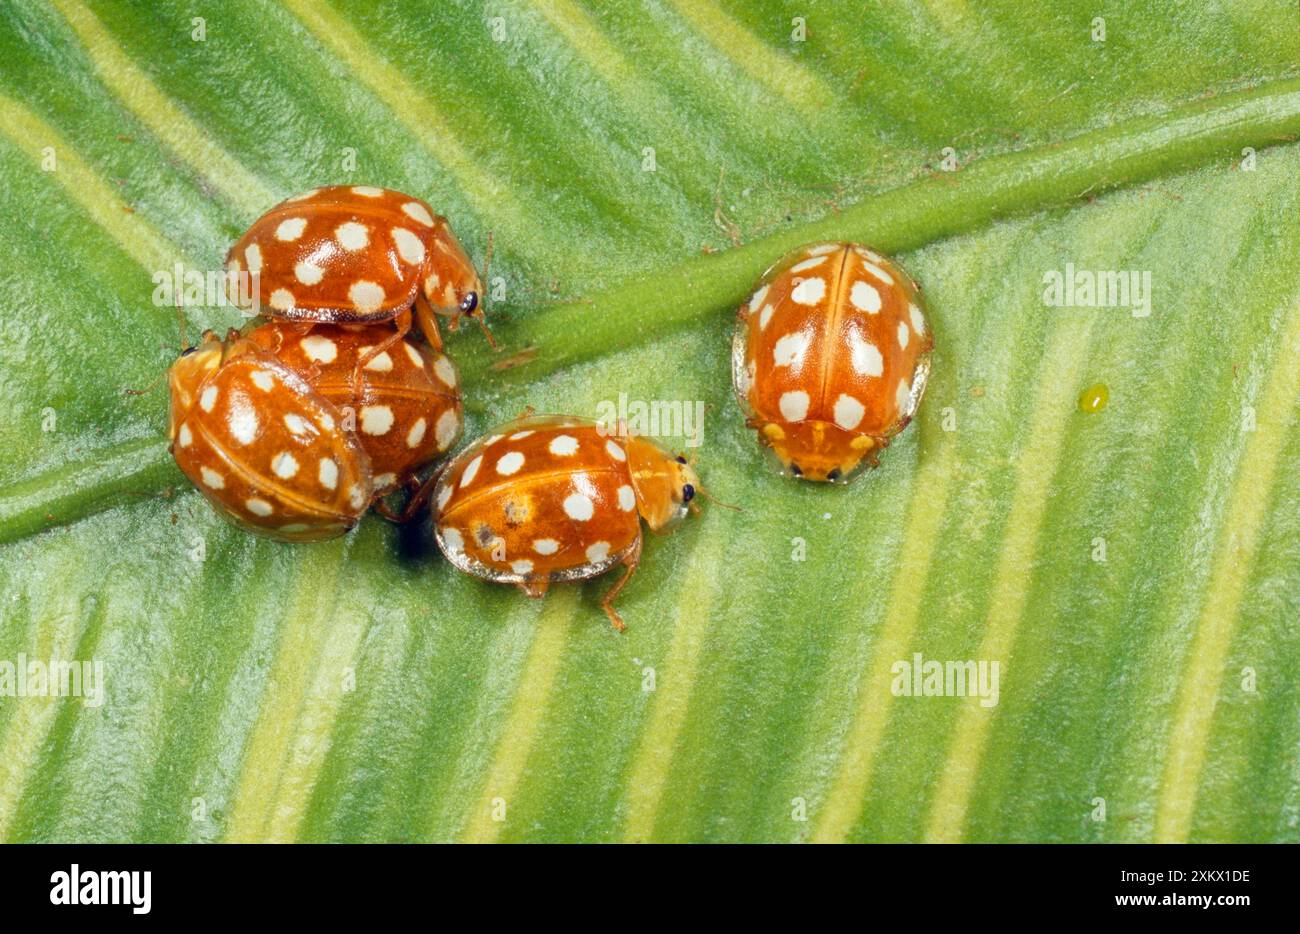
{"x":557,"y":498}
{"x":830,"y":359}
{"x":407,"y":408}
{"x":266,"y":449}
{"x":350,"y":254}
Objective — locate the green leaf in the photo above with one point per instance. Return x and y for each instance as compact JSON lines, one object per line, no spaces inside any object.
{"x":1133,"y":571}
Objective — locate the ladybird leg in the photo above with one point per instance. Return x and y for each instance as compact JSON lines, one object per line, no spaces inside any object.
{"x":607,"y":603}
{"x":403,"y":322}
{"x":427,"y":318}
{"x":535,"y":588}
{"x":420,"y":493}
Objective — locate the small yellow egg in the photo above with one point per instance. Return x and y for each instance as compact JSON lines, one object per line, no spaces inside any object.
{"x":1094,"y":398}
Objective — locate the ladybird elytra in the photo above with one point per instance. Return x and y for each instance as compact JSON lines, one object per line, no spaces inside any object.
{"x":356,"y":254}
{"x":548,"y":499}
{"x":265,"y":448}
{"x":830,"y":358}
{"x":406,"y":409}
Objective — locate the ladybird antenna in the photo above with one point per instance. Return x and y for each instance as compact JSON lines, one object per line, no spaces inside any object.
{"x":153,"y":384}
{"x":715,"y":501}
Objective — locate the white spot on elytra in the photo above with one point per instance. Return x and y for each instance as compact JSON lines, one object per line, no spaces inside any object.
{"x":848,"y":412}
{"x":522,"y":566}
{"x":413,"y":354}
{"x":563,"y":445}
{"x":579,"y":506}
{"x":807,"y":264}
{"x":184,"y":437}
{"x":285,"y":465}
{"x":380,"y":362}
{"x":262,"y":380}
{"x":809,"y":291}
{"x":823,"y":249}
{"x":510,"y":463}
{"x":918,"y":319}
{"x":765,"y":316}
{"x":757,"y":298}
{"x":351,"y":235}
{"x":281,"y":300}
{"x":376,"y":419}
{"x":295,"y":423}
{"x":789,"y":350}
{"x":864,"y":297}
{"x":864,"y":355}
{"x":328,"y":474}
{"x":903,"y":334}
{"x":320,"y":349}
{"x":357,"y":495}
{"x":385,"y":480}
{"x":208,"y":399}
{"x":444,"y":432}
{"x":443,"y":496}
{"x":615,"y":451}
{"x":409,"y":247}
{"x":308,"y":273}
{"x":452,"y":540}
{"x":546,"y":546}
{"x":242,"y":421}
{"x":366,"y":295}
{"x":253,"y":256}
{"x":417,"y":211}
{"x":416,"y":434}
{"x":519,"y":435}
{"x":291,"y":229}
{"x":626,"y":498}
{"x":367,"y":191}
{"x":794,"y":405}
{"x":258,"y":507}
{"x":445,"y":370}
{"x":879,"y":273}
{"x":903,"y":398}
{"x":212,"y":479}
{"x":597,"y":552}
{"x":471,"y":472}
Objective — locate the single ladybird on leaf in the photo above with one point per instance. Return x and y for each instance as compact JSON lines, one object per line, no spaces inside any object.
{"x":356,"y":254}
{"x":406,"y":411}
{"x":830,"y":359}
{"x":266,"y":449}
{"x":557,"y":498}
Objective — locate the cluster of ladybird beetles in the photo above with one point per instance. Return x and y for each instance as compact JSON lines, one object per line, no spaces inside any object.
{"x":296,"y":426}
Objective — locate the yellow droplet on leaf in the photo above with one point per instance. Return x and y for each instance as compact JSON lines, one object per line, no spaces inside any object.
{"x":1094,"y":398}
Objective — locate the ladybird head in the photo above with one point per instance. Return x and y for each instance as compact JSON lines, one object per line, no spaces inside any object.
{"x":189,"y":372}
{"x":818,"y":451}
{"x":455,"y":289}
{"x":665,"y":484}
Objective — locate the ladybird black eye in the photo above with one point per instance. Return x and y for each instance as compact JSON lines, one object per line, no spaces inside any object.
{"x":688,"y":493}
{"x":833,"y":475}
{"x":469,"y":303}
{"x":794,"y":469}
{"x":188,"y":350}
{"x":680,"y":459}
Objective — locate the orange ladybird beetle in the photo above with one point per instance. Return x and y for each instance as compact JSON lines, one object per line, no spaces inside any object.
{"x":830,"y":359}
{"x":356,"y":254}
{"x":266,"y":449}
{"x":557,"y":498}
{"x":407,"y":410}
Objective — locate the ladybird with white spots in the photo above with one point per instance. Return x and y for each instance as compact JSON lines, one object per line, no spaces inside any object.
{"x":407,"y":407}
{"x":356,"y":254}
{"x":550,"y":499}
{"x":265,"y":448}
{"x":830,"y":359}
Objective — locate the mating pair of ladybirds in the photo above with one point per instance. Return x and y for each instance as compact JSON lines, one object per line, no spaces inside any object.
{"x":295,"y":429}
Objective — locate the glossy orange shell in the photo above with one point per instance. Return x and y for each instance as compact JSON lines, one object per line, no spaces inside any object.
{"x":268,"y":451}
{"x":830,"y":357}
{"x":408,"y":412}
{"x":541,"y":499}
{"x":350,"y":253}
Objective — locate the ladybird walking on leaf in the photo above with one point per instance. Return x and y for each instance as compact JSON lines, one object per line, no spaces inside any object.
{"x":265,"y":448}
{"x":830,"y":359}
{"x":356,"y":254}
{"x":551,"y":499}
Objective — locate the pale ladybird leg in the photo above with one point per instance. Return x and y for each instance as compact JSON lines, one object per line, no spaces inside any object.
{"x":607,"y":603}
{"x":420,"y":495}
{"x":428,"y":320}
{"x":403,"y":322}
{"x":535,"y":588}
